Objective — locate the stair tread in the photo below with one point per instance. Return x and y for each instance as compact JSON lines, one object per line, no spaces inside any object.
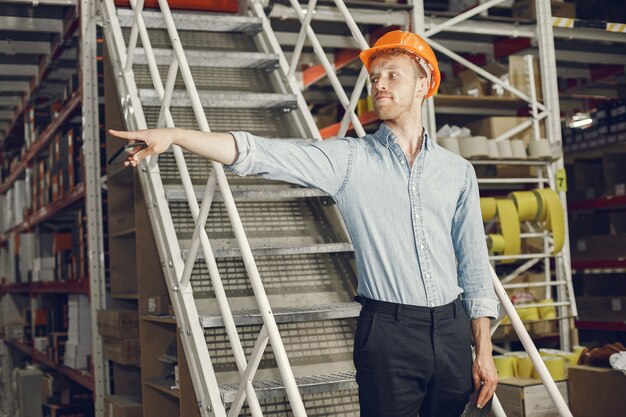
{"x":222,"y":99}
{"x":206,"y":22}
{"x":288,"y":314}
{"x":306,"y":385}
{"x":252,"y":192}
{"x":278,"y":250}
{"x":213,"y":59}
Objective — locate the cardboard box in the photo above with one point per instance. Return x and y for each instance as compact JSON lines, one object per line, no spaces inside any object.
{"x":525,"y":9}
{"x":158,"y":304}
{"x":525,"y":397}
{"x":118,"y":323}
{"x":518,"y":75}
{"x":596,"y":391}
{"x":601,"y":308}
{"x":473,"y":85}
{"x":600,"y":247}
{"x":582,"y":225}
{"x":327,"y":115}
{"x":122,"y":406}
{"x":495,"y":126}
{"x":502,"y":72}
{"x":617,"y":222}
{"x":122,"y":351}
{"x":614,"y":173}
{"x":588,"y":182}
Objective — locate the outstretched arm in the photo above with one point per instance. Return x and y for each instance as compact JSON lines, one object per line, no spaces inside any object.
{"x":319,"y":164}
{"x":219,"y":147}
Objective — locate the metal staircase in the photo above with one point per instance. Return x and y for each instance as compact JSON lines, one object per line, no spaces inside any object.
{"x":276,"y":267}
{"x":295,"y":234}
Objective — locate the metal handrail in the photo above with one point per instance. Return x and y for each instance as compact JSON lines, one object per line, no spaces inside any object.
{"x":255,"y":280}
{"x":201,"y":371}
{"x":530,"y":347}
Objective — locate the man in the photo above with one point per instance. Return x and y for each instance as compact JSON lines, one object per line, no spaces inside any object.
{"x":413,"y":212}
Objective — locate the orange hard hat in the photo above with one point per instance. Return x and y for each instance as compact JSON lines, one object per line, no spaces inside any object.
{"x":415,"y":46}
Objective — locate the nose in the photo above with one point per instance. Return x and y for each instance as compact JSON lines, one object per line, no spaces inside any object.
{"x":380,"y":84}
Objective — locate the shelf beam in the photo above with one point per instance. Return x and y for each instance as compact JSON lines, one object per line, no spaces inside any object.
{"x":43,"y":141}
{"x":45,"y":213}
{"x":78,"y":376}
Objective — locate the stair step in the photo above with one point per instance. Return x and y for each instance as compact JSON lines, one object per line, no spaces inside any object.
{"x":175,"y":193}
{"x":213,"y":59}
{"x":288,"y":315}
{"x":206,"y":22}
{"x":279,"y":250}
{"x":223,"y":99}
{"x":306,"y":385}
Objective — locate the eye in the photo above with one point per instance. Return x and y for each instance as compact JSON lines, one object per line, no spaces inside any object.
{"x":373,"y":80}
{"x":393,"y":75}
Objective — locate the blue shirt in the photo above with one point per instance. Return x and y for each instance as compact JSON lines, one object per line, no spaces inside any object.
{"x":417,"y":231}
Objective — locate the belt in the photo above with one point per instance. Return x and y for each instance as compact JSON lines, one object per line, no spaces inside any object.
{"x":410,"y":311}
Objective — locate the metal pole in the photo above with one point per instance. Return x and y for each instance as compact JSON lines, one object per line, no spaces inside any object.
{"x":301,"y":38}
{"x":418,"y":26}
{"x":330,"y":71}
{"x":93,"y":193}
{"x":354,"y":99}
{"x":354,"y":28}
{"x":132,"y":42}
{"x":547,"y":59}
{"x":530,"y":348}
{"x":463,"y":16}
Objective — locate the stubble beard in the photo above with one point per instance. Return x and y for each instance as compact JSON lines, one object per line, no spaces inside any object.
{"x":392,"y":110}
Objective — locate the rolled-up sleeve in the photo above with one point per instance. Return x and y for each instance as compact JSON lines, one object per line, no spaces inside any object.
{"x":324,"y":165}
{"x":468,"y":236}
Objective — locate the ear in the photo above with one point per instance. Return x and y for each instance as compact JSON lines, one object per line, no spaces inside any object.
{"x":421,"y":87}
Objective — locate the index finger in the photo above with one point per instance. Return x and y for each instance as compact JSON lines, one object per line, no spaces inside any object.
{"x":125,"y":134}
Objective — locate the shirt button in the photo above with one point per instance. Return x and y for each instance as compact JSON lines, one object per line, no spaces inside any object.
{"x":417,"y":216}
{"x":432,"y":304}
{"x":414,"y":188}
{"x":401,"y":162}
{"x":421,"y":246}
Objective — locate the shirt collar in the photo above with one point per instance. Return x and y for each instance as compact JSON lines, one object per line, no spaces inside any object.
{"x":386,"y":136}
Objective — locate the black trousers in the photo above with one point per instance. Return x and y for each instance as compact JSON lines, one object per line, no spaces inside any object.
{"x":412,"y":360}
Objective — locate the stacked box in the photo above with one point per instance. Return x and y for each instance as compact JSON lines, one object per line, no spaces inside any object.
{"x":62,"y":254}
{"x":12,"y":259}
{"x":29,"y":392}
{"x":56,"y":346}
{"x":56,"y":410}
{"x":78,"y":346}
{"x":26,"y":255}
{"x":4,"y":213}
{"x":122,"y":406}
{"x":80,"y":266}
{"x":29,"y":126}
{"x":14,"y":204}
{"x":55,"y":172}
{"x":120,"y":333}
{"x":28,"y":186}
{"x":6,"y":386}
{"x":5,"y":263}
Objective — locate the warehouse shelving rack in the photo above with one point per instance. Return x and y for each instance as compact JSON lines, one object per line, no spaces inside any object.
{"x":46,"y":30}
{"x":609,"y":266}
